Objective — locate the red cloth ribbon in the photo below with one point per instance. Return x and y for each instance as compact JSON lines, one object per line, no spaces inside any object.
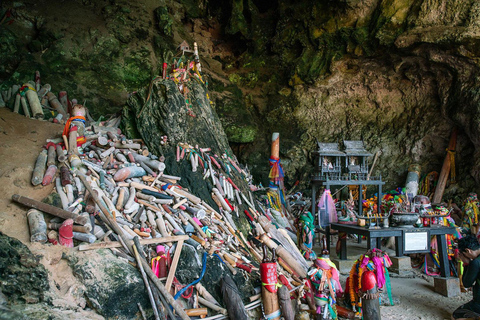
{"x":66,"y":130}
{"x":276,"y":171}
{"x":268,"y":275}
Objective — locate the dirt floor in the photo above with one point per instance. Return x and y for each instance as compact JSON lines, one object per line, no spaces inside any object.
{"x":413,"y":294}
{"x":21,"y":140}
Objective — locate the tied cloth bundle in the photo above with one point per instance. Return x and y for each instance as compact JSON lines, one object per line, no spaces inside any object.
{"x":325,"y":279}
{"x":75,"y":123}
{"x":276,"y":171}
{"x":471,"y":212}
{"x":308,"y":236}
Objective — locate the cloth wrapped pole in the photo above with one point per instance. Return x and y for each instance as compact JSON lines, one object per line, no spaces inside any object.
{"x":327,"y":212}
{"x":307,"y":236}
{"x":268,"y":274}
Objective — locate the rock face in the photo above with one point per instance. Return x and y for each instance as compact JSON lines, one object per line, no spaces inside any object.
{"x":113,"y":287}
{"x":398,"y":74}
{"x":167,"y":113}
{"x":22,"y":278}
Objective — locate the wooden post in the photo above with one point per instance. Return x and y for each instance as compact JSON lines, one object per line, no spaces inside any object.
{"x":34,"y":103}
{"x":442,"y":179}
{"x":285,"y":302}
{"x":39,"y":170}
{"x":284,"y":254}
{"x":173,"y":268}
{"x":370,"y":302}
{"x":275,"y":152}
{"x":52,"y":98}
{"x":50,"y":209}
{"x":268,"y":274}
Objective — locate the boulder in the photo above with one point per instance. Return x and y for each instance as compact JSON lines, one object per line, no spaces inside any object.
{"x":22,"y":277}
{"x":113,"y":286}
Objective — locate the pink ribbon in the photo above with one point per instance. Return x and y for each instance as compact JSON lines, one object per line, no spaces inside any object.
{"x":379,"y":271}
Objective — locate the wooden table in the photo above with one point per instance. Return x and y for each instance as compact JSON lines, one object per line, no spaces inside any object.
{"x":374,"y":236}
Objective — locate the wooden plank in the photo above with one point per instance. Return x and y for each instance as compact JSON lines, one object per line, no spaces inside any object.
{"x":116,"y":244}
{"x":173,"y":268}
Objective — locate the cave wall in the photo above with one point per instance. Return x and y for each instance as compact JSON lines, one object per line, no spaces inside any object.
{"x":399,"y":74}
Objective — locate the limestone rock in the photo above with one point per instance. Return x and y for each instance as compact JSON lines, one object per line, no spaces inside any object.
{"x":113,"y":287}
{"x":22,"y":277}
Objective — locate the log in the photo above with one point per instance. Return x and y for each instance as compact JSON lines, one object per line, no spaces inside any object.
{"x":442,"y":179}
{"x":34,"y":103}
{"x":205,"y":294}
{"x":212,"y":306}
{"x":82,"y":229}
{"x":49,"y":209}
{"x":51,"y":154}
{"x":275,"y":152}
{"x":268,"y":275}
{"x":60,"y":155}
{"x":37,"y":225}
{"x":72,"y":140}
{"x":344,"y":312}
{"x":23,"y":102}
{"x":136,"y":249}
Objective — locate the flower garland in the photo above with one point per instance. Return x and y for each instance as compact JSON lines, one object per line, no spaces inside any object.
{"x":374,"y":260}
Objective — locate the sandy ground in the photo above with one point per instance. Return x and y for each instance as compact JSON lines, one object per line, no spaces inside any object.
{"x":21,"y":140}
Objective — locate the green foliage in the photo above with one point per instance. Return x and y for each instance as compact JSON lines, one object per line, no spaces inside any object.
{"x":164,"y":21}
{"x":241,"y":133}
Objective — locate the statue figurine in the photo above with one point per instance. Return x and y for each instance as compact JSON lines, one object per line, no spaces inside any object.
{"x":327,"y":164}
{"x":307,"y":236}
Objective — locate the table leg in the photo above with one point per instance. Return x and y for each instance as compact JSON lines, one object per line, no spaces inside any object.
{"x":314,"y":202}
{"x":379,"y":243}
{"x":328,"y":234}
{"x":399,"y":246}
{"x":372,"y":243}
{"x":360,"y":200}
{"x":379,"y":197}
{"x":443,"y":255}
{"x":343,"y":250}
